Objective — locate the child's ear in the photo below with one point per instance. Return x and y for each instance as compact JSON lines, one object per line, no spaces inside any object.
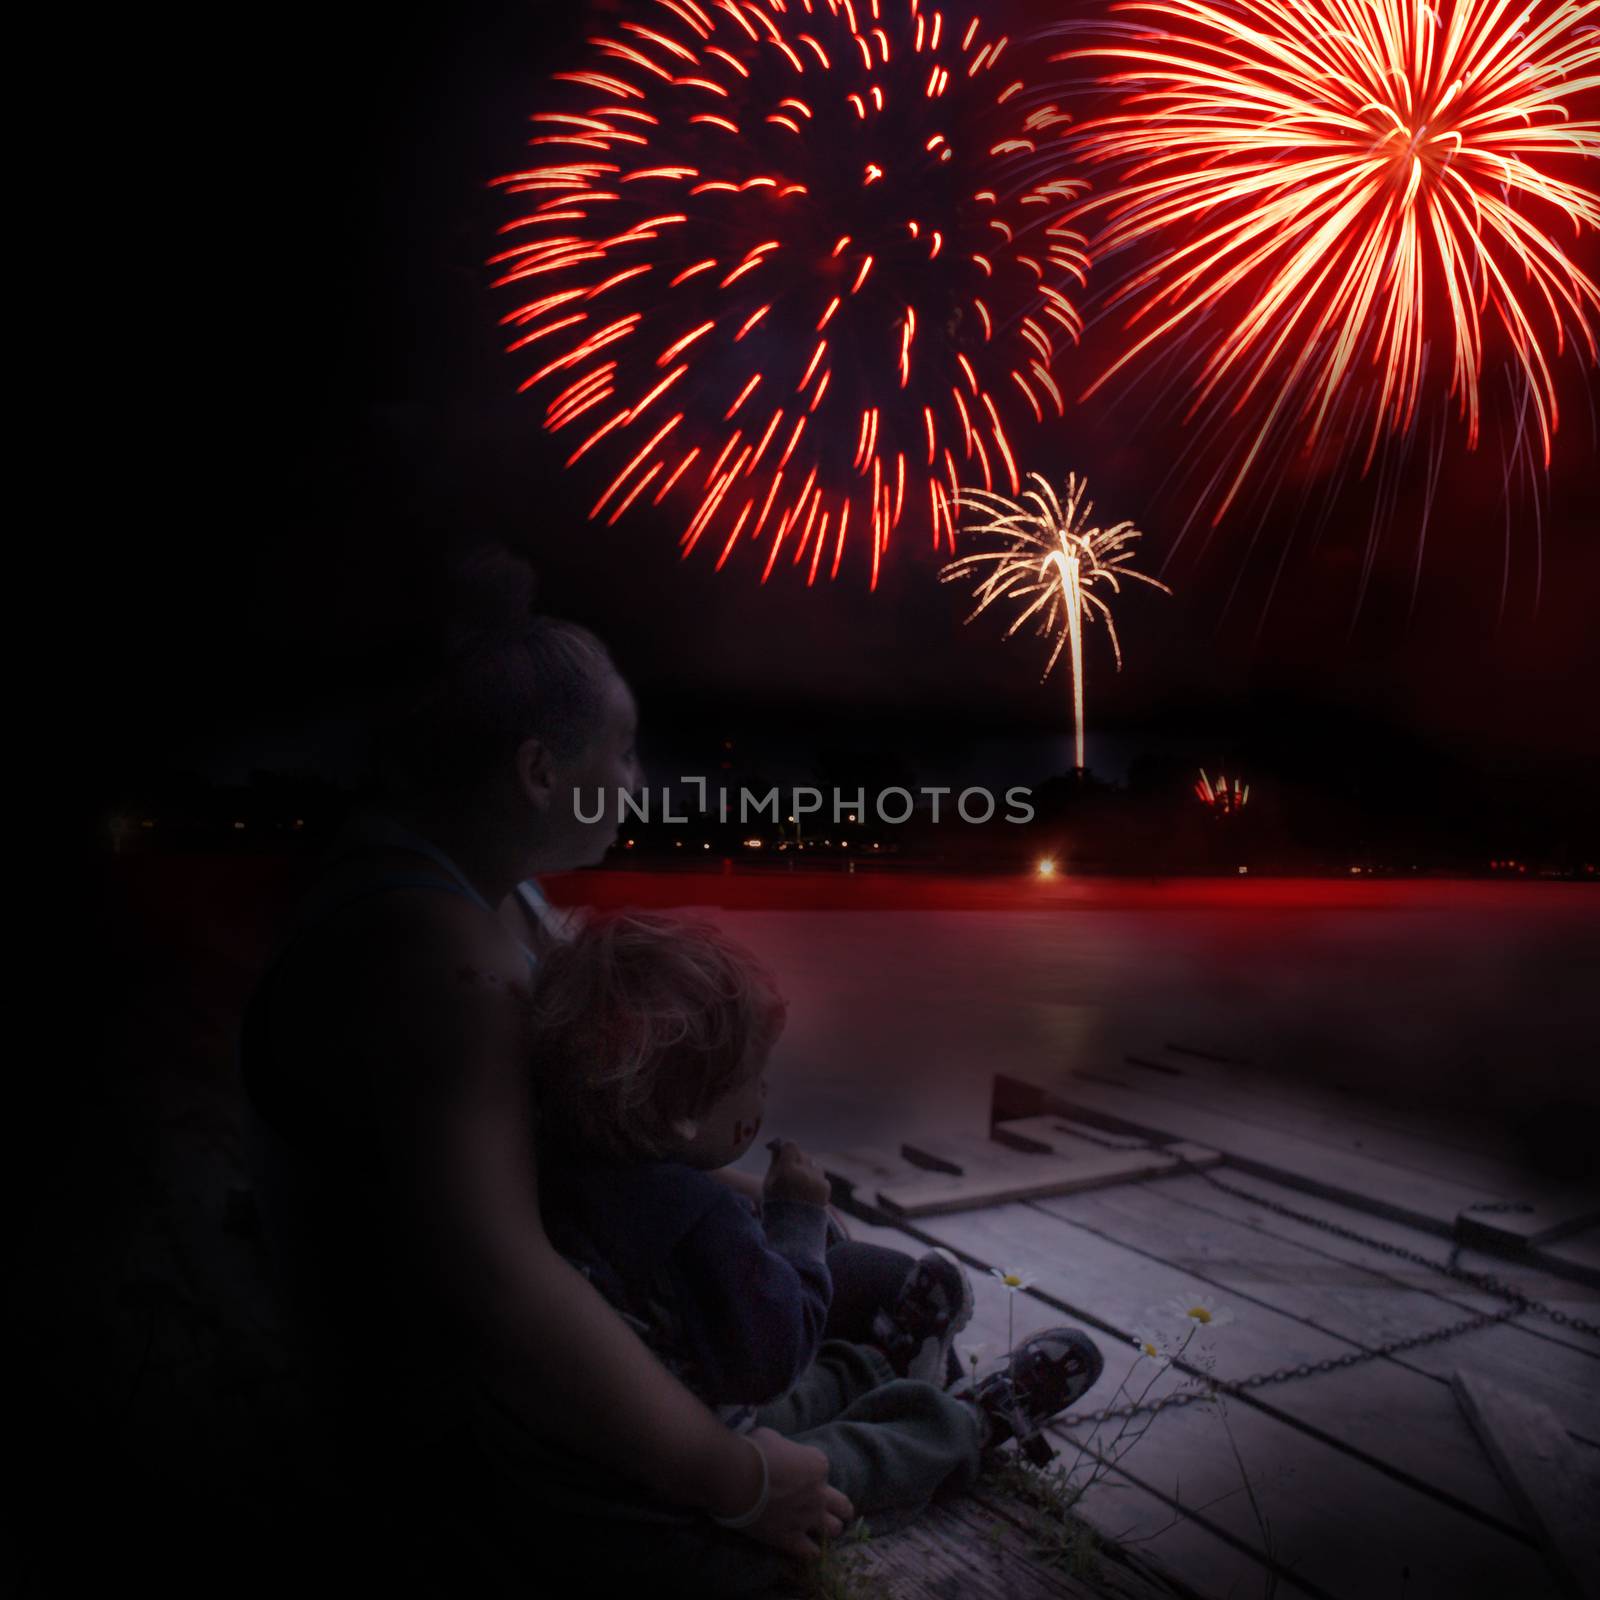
{"x":686,"y":1129}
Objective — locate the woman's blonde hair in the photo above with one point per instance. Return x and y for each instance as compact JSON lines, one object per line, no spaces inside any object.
{"x":642,"y":1020}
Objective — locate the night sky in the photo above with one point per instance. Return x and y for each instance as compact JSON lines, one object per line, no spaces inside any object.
{"x":336,"y":412}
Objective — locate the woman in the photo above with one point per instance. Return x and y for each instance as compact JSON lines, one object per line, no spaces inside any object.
{"x":384,"y":1061}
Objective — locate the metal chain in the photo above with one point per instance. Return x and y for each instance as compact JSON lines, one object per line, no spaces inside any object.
{"x":1484,"y":1281}
{"x":1305,"y":1369}
{"x":1517,"y":1304}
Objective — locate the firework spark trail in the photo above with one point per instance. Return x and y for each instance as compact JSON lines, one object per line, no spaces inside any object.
{"x":1050,"y":557}
{"x":803,"y":263}
{"x":1219,"y":796}
{"x":1332,"y":187}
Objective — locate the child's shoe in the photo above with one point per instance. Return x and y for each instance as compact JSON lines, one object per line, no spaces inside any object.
{"x":1040,"y":1379}
{"x":916,"y":1333}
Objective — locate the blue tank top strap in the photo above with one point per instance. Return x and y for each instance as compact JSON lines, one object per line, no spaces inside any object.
{"x":559,"y":924}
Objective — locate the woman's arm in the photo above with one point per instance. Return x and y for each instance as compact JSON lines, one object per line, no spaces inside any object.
{"x":451,"y":1081}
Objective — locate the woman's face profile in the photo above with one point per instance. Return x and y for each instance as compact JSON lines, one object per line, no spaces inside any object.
{"x":609,"y":765}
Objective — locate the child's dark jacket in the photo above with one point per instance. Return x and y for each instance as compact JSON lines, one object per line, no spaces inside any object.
{"x":733,"y":1303}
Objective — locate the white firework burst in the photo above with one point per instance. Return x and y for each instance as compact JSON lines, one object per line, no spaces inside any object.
{"x":1049,"y":558}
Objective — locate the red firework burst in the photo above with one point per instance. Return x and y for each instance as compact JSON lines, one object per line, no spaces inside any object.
{"x":1353,"y":184}
{"x":799,"y":261}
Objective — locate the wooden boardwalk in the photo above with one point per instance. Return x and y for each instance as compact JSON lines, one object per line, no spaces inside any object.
{"x":1365,"y":1422}
{"x":1460,"y":1467}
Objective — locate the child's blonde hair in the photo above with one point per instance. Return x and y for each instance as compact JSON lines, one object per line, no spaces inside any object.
{"x":642,"y":1020}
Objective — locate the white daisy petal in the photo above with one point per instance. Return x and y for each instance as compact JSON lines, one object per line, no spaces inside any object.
{"x":1152,"y":1349}
{"x":1013,"y":1281}
{"x":1198,"y":1313}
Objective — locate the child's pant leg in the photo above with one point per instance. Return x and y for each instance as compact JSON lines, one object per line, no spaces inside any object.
{"x":891,"y":1443}
{"x":842,"y":1373}
{"x":893,"y":1449}
{"x":867,"y":1278}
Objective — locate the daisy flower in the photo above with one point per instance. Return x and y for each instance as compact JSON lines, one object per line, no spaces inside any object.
{"x":1014,"y":1283}
{"x":1200,"y":1312}
{"x":971,"y":1355}
{"x":1152,"y":1350}
{"x":1012,"y":1280}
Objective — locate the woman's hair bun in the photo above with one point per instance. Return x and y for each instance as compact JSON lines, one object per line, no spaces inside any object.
{"x":493,"y":673}
{"x":489,"y":598}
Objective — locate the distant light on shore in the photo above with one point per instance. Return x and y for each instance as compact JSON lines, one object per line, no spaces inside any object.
{"x":1046,"y":868}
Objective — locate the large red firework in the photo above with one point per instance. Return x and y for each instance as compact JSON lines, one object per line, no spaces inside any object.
{"x":801,"y":262}
{"x":1371,"y":193}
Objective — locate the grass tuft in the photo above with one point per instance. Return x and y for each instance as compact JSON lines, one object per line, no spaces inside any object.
{"x":1043,"y":1499}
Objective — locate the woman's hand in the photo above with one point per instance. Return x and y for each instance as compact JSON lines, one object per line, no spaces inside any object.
{"x":802,"y":1509}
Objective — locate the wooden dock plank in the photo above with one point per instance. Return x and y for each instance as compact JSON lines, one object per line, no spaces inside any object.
{"x":1203,"y":1557}
{"x":1577,"y":1256}
{"x":1120,"y":1509}
{"x":1572,"y":1299}
{"x":859,"y":1171}
{"x":965,"y":1550}
{"x":1350,"y":1301}
{"x":1528,"y":1445}
{"x":1198,"y":1554}
{"x":1552,"y":1207}
{"x":1114,"y":1506}
{"x":1336,"y":1518}
{"x":1053,"y":1131}
{"x":1128,"y":1289}
{"x":1286,"y":1318}
{"x":1341,"y":1175}
{"x":1425,"y":1137}
{"x":989,"y":1173}
{"x":1530,"y":1353}
{"x":1355,"y":1180}
{"x":975,"y":1150}
{"x":1101,"y":1570}
{"x":1553,"y":1210}
{"x":981,"y":1548}
{"x":993,"y":1174}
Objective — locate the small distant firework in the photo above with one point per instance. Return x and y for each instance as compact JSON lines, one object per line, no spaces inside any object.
{"x":1356,"y":209}
{"x":1223,"y":799}
{"x":1050,"y":557}
{"x":803,"y":264}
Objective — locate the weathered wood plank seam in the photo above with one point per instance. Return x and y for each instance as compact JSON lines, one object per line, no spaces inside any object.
{"x":1084,"y":1315}
{"x":1267,"y":1562}
{"x":1377,"y":1272}
{"x":1399,"y":1474}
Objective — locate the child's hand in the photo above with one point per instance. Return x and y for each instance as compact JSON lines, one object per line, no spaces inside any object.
{"x":793,"y":1175}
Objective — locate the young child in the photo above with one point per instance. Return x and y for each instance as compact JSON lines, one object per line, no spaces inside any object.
{"x":651,"y":1039}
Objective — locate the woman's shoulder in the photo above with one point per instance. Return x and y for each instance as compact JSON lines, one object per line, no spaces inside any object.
{"x":398,"y":964}
{"x":407,"y":921}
